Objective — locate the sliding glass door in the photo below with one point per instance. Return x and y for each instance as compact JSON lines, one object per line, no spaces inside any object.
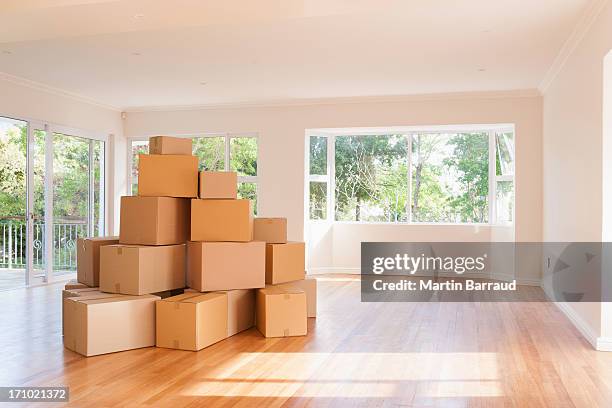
{"x":52,"y":193}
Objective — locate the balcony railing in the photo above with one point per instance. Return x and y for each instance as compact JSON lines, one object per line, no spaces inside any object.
{"x":13,"y":239}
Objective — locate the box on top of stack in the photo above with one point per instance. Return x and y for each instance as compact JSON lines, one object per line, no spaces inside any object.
{"x":186,"y":227}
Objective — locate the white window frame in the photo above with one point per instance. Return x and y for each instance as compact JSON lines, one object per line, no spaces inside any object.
{"x":227,"y":140}
{"x":409,"y":131}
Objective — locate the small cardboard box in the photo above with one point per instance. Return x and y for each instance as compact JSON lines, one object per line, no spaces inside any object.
{"x":309,"y":286}
{"x":281,"y":312}
{"x":218,"y":185}
{"x":270,"y":230}
{"x":66,"y":293}
{"x":168,"y":175}
{"x":221,"y":220}
{"x":225,"y":265}
{"x":74,"y":284}
{"x":88,"y":258}
{"x":154,"y":220}
{"x":191,"y":321}
{"x":109,"y":324}
{"x":240,"y":310}
{"x":139,"y":270}
{"x":285,"y":262}
{"x":170,"y":145}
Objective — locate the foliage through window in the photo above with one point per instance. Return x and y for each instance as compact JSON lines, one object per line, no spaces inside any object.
{"x":420,"y":177}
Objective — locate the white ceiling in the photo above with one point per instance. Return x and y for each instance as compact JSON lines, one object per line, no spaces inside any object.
{"x":139,"y":53}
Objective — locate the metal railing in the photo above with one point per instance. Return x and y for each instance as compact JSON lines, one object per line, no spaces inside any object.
{"x":13,"y":239}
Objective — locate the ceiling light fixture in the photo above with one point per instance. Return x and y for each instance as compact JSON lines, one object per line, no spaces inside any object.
{"x":138,"y":16}
{"x":203,"y":83}
{"x":136,"y":54}
{"x":7,"y":52}
{"x":481,"y":69}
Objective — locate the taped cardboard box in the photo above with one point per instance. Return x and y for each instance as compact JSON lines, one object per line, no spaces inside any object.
{"x":281,"y":312}
{"x":139,"y":270}
{"x":218,"y":185}
{"x":66,"y":293}
{"x":191,"y":321}
{"x":109,"y":324}
{"x":74,"y":284}
{"x":154,"y":220}
{"x":270,"y":230}
{"x":167,"y":175}
{"x":88,"y":258}
{"x":215,"y":266}
{"x":309,"y":286}
{"x":221,"y":220}
{"x":285,"y":262}
{"x":170,"y":145}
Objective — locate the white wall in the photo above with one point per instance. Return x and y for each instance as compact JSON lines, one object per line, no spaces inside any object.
{"x":281,"y":132}
{"x":21,"y":99}
{"x":576,"y":184}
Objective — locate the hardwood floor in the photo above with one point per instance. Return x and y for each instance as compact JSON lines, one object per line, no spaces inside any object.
{"x":356,"y":354}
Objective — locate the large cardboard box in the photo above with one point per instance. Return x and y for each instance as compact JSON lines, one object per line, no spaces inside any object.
{"x":285,"y":262}
{"x":309,"y":286}
{"x":240,"y":310}
{"x":221,"y":220}
{"x":226,"y":265}
{"x":218,"y":184}
{"x":169,"y":175}
{"x":139,"y":270}
{"x":281,"y":312}
{"x":74,"y":284}
{"x":88,"y":258}
{"x":109,"y":324}
{"x":66,"y":293}
{"x":170,"y":145}
{"x":191,"y":321}
{"x":270,"y":230}
{"x":154,"y":220}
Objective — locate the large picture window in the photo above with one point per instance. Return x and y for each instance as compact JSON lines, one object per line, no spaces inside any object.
{"x":420,"y":176}
{"x":215,"y":153}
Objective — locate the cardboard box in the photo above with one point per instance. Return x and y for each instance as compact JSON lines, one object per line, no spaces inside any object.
{"x":285,"y":262}
{"x":225,"y":265}
{"x":169,"y":175}
{"x":309,"y":286}
{"x":139,"y":270}
{"x":191,"y":321}
{"x":109,"y":324}
{"x":281,"y":312}
{"x":270,"y":230}
{"x":154,"y":221}
{"x":221,"y":220}
{"x":218,"y":184}
{"x":74,"y":284}
{"x":170,"y":145}
{"x":240,"y":310}
{"x":88,"y":258}
{"x":66,"y":293}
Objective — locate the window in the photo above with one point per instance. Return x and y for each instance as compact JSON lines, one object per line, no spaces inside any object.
{"x":419,"y":176}
{"x":215,"y":153}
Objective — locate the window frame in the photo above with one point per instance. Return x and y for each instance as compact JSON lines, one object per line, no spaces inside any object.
{"x":227,"y":139}
{"x":409,"y":131}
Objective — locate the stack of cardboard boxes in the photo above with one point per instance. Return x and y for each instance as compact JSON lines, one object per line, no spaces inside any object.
{"x":190,"y":267}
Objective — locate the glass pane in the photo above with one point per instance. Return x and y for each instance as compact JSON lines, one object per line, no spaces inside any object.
{"x":371,"y":178}
{"x":98,"y":188}
{"x":450,"y":178}
{"x":243,"y":155}
{"x":38,"y":152}
{"x":13,"y":139}
{"x":138,"y":147}
{"x":210,"y":152}
{"x":70,"y":199}
{"x":504,"y":201}
{"x":318,"y":155}
{"x":318,"y":200}
{"x":504,"y":143}
{"x":249,"y":191}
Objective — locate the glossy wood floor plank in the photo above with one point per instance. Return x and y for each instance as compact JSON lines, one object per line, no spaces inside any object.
{"x":356,"y":354}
